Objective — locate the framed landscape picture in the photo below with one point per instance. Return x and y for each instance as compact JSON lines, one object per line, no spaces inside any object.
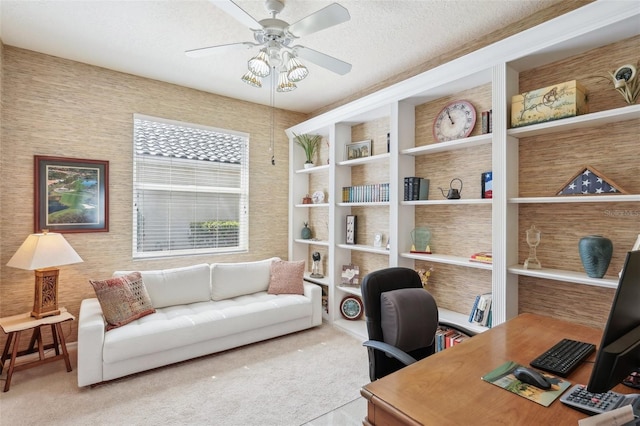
{"x":71,"y":195}
{"x":358,"y":150}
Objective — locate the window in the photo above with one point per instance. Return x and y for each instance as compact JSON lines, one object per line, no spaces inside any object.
{"x":190,"y":189}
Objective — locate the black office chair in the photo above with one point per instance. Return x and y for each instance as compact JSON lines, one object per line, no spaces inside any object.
{"x":401,"y":318}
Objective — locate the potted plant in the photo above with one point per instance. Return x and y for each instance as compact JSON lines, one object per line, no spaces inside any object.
{"x":310,"y":144}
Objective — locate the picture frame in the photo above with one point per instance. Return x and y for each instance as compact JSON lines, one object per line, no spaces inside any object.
{"x":350,"y":276}
{"x":71,"y":194}
{"x":351,"y":228}
{"x":356,"y":150}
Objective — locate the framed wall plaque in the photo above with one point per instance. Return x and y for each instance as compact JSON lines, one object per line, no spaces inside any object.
{"x":351,"y":229}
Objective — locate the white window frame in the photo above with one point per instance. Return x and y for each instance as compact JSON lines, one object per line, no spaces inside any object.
{"x":242,"y":190}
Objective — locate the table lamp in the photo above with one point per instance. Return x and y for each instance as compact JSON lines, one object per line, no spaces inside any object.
{"x":42,"y":253}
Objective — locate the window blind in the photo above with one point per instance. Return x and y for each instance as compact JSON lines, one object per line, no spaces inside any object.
{"x":190,"y":189}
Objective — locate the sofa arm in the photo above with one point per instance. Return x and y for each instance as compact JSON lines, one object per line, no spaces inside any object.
{"x":314,"y":292}
{"x":91,"y":329}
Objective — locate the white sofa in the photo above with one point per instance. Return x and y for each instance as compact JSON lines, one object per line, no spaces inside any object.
{"x":200,"y":310}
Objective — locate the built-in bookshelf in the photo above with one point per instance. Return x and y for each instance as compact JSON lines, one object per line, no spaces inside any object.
{"x":528,"y":164}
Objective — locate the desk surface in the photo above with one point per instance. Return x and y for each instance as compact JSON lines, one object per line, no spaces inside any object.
{"x":446,"y":388}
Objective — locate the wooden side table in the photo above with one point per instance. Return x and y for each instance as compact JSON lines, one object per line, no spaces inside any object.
{"x":15,"y":325}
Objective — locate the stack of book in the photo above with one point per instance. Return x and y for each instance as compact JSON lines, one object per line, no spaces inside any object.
{"x":481,"y":311}
{"x":482,"y":256}
{"x":416,"y":188}
{"x":447,"y":337}
{"x":374,"y":193}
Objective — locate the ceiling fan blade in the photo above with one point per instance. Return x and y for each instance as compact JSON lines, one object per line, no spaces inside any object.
{"x":329,"y":16}
{"x":237,"y":13}
{"x":325,"y":61}
{"x":206,"y":51}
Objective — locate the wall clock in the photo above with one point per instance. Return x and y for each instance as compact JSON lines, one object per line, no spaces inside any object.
{"x":455,"y":121}
{"x":351,"y":307}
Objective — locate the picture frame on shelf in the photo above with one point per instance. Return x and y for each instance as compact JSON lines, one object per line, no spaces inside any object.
{"x":71,"y":194}
{"x":351,"y":227}
{"x":360,"y":149}
{"x":377,"y":239}
{"x":350,"y":276}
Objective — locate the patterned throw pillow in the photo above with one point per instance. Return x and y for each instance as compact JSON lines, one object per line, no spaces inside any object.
{"x":286,"y":277}
{"x":122,"y":299}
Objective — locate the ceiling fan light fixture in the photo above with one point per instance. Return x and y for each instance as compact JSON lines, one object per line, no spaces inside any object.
{"x":251,"y":79}
{"x":284,"y":85}
{"x":259,"y":64}
{"x":296,"y":71}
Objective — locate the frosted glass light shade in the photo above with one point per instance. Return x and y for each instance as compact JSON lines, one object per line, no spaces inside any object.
{"x":296,"y":71}
{"x":284,"y":85}
{"x":259,"y":64}
{"x":251,"y":79}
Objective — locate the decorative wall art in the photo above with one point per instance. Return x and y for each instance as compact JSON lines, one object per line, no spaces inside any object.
{"x":358,"y":150}
{"x":71,"y":194}
{"x":589,"y":181}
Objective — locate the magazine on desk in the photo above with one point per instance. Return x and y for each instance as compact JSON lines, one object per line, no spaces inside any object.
{"x":504,"y":378}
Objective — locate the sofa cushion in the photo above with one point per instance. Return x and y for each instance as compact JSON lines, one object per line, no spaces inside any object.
{"x":183,"y":325}
{"x":286,"y":277}
{"x":177,"y":286}
{"x":122,"y":299}
{"x":230,"y":280}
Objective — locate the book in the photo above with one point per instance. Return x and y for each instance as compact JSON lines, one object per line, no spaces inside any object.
{"x":416,"y":188}
{"x":473,"y":308}
{"x":482,"y":256}
{"x":487,"y":185}
{"x":503,"y":377}
{"x":481,"y":315}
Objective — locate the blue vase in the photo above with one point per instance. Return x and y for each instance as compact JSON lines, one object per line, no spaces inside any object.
{"x":595,"y":253}
{"x":306,"y":232}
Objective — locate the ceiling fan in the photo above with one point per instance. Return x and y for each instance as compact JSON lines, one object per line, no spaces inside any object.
{"x":275,"y":39}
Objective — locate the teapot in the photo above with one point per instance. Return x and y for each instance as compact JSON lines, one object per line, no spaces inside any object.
{"x":454,"y":193}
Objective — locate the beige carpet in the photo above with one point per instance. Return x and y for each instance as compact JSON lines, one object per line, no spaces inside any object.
{"x":285,"y":381}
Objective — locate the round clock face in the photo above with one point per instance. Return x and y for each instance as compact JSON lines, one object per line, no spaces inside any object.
{"x":626,"y":73}
{"x":351,"y":308}
{"x":318,"y":197}
{"x":455,"y":121}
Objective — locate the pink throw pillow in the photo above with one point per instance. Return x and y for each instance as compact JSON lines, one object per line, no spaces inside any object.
{"x":286,"y":277}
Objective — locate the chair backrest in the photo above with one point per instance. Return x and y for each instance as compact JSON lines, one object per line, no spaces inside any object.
{"x":400,"y":312}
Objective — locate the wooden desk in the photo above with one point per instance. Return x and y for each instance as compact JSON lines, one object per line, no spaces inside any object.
{"x":446,"y":388}
{"x":16,"y":324}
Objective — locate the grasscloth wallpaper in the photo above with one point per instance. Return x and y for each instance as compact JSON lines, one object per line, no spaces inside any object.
{"x":52,"y":106}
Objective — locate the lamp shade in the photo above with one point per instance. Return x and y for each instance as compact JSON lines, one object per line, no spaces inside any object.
{"x":43,"y":251}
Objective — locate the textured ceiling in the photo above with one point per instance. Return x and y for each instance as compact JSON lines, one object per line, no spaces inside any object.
{"x":148,"y":38}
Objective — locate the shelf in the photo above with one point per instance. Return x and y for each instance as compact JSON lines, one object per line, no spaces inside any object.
{"x":566,"y":276}
{"x":357,"y":328}
{"x":315,"y":169}
{"x":445,"y":201}
{"x":580,"y":122}
{"x":458,"y":320}
{"x":449,"y":145}
{"x":308,"y":206}
{"x":312,"y":242}
{"x":447,"y":259}
{"x":322,"y":281}
{"x":365,"y":160}
{"x":365,"y":248}
{"x":351,"y":290}
{"x":620,"y":198}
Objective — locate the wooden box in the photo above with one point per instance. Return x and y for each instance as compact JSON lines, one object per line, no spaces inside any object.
{"x":562,"y":100}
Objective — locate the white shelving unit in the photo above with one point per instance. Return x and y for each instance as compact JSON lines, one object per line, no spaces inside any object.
{"x":594,"y":25}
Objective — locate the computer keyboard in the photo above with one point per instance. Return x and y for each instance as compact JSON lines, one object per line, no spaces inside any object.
{"x":563,"y":357}
{"x":597,"y":403}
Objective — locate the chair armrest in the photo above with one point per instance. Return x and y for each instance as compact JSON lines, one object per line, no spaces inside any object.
{"x":393,"y":351}
{"x":91,"y":329}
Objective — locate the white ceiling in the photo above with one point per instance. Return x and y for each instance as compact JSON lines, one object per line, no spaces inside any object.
{"x":148,"y":38}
